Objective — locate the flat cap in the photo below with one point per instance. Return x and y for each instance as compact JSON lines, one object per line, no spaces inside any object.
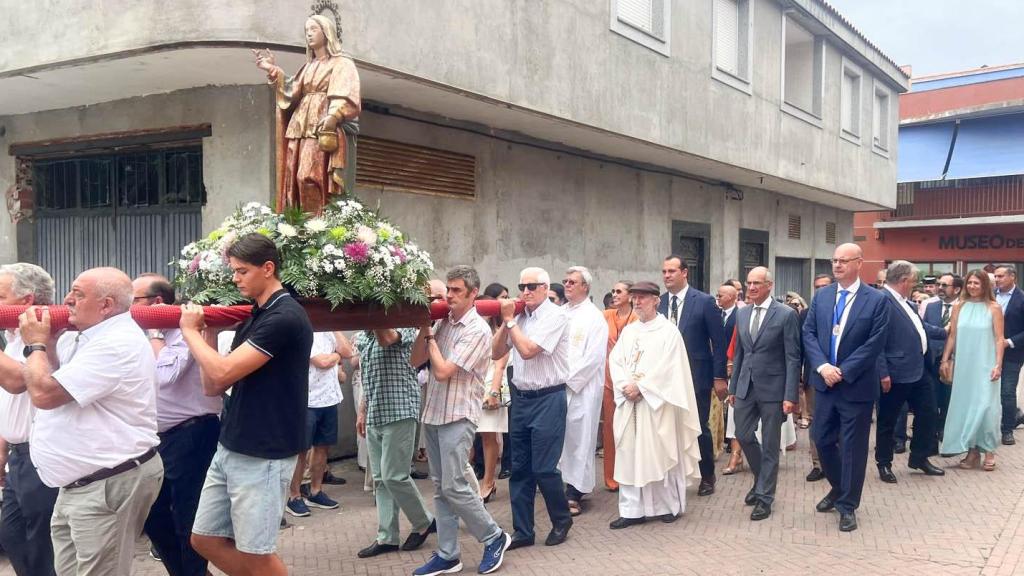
{"x":645,"y":287}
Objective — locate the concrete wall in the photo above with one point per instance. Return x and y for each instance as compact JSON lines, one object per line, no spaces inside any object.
{"x":555,"y":57}
{"x":237,"y":158}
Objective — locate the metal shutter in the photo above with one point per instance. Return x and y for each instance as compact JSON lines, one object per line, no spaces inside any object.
{"x":391,"y":165}
{"x":645,"y":15}
{"x":791,"y":276}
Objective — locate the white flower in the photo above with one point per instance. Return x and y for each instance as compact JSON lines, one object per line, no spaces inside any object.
{"x":366,"y":235}
{"x":339,"y":264}
{"x":264,"y":210}
{"x":286,"y":230}
{"x":329,"y":249}
{"x":316,"y":225}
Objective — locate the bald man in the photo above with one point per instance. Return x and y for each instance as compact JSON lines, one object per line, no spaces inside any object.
{"x":843,"y":336}
{"x":95,"y":431}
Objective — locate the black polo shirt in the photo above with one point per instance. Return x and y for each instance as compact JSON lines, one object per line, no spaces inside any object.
{"x":266,"y":414}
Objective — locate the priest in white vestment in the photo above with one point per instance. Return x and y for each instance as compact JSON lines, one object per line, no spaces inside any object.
{"x":588,"y":348}
{"x":656,"y":423}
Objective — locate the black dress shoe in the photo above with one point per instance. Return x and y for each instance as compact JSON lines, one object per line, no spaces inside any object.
{"x":417,"y":475}
{"x":558,"y":534}
{"x":520,"y":543}
{"x":827,"y":504}
{"x":760,"y":512}
{"x":504,"y":474}
{"x":1008,"y":439}
{"x":376,"y":549}
{"x":330,"y":478}
{"x":885,"y":474}
{"x":847,"y":522}
{"x":669,"y":518}
{"x":928,"y":468}
{"x":620,"y":522}
{"x":899,"y":447}
{"x":750,"y":499}
{"x":706,"y":488}
{"x":416,"y":539}
{"x":815,"y":474}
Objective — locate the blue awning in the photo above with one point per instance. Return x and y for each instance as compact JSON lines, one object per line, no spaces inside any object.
{"x":923,"y":151}
{"x":992,"y":146}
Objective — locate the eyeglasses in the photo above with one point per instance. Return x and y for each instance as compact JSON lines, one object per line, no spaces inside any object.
{"x":570,"y":282}
{"x":941,"y":285}
{"x":531,"y":286}
{"x":844,"y":261}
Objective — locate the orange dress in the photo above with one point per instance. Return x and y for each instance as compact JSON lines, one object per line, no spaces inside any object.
{"x":615,"y":326}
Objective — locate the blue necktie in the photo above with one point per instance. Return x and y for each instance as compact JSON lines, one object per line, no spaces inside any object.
{"x":837,"y":317}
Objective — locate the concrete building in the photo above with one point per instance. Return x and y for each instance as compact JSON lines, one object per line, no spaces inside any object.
{"x":496,"y":132}
{"x":960,"y":202}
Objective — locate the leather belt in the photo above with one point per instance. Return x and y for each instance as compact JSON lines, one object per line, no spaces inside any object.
{"x":536,"y":393}
{"x":110,"y":472}
{"x":185,"y":424}
{"x":20,"y":448}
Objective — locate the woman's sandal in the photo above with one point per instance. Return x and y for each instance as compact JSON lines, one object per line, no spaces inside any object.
{"x":574,"y":508}
{"x":989,"y":465}
{"x":971,"y":461}
{"x":730,"y":470}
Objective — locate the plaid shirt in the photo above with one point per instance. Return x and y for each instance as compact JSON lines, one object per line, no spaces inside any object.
{"x":467,"y":344}
{"x":390,"y":389}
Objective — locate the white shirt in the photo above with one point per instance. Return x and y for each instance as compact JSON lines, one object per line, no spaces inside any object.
{"x":110,"y":372}
{"x":16,"y":410}
{"x":763,"y":307}
{"x":324,"y":388}
{"x":681,"y":297}
{"x":728,"y":313}
{"x":908,"y":311}
{"x":924,"y":304}
{"x":547,"y":327}
{"x":179,"y":394}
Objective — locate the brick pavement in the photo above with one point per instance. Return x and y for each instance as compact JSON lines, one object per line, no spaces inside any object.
{"x":969,"y":522}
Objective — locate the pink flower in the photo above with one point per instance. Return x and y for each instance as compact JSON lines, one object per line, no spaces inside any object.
{"x":398,"y":253}
{"x":356,"y":251}
{"x":193,"y":266}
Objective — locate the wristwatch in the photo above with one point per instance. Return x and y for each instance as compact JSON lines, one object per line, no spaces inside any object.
{"x":510,"y":324}
{"x":494,"y":394}
{"x":155,"y":334}
{"x":28,"y":350}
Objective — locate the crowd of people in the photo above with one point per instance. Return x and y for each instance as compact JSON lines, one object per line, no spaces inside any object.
{"x":202,"y":438}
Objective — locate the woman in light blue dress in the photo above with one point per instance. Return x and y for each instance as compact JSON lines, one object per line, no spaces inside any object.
{"x":976,"y":344}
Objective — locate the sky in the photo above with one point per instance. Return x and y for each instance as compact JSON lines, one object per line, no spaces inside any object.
{"x":937,"y":36}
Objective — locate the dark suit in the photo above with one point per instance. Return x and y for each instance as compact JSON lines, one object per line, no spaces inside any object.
{"x":1013,"y":329}
{"x":844,"y":410}
{"x":933,"y":316}
{"x":700,"y":323}
{"x":908,"y":367}
{"x":730,"y":325}
{"x":765,"y":372}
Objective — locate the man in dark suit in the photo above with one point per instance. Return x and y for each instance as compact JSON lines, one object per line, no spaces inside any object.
{"x":764,"y":384}
{"x":700,"y":323}
{"x":903,"y":368}
{"x":726,"y":298}
{"x":1011,"y":300}
{"x":938,"y":313}
{"x":843,"y":336}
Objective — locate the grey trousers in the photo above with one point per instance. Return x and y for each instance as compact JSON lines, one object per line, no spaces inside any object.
{"x":454,"y":498}
{"x":94,"y":527}
{"x":763,"y":456}
{"x":390,"y":449}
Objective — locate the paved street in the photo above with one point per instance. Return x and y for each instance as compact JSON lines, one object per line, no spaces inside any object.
{"x":970,"y":522}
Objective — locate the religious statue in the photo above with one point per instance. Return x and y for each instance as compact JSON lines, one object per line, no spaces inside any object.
{"x":317,"y":120}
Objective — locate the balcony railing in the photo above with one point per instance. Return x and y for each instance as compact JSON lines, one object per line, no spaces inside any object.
{"x":968,"y":198}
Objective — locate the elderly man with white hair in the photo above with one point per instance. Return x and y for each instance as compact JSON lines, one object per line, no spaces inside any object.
{"x":539,"y":341}
{"x":94,"y":433}
{"x":588,"y":348}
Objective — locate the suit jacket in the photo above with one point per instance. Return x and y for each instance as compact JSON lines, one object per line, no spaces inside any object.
{"x":862,"y":340}
{"x":1013,"y":327}
{"x":730,"y":324}
{"x":902,"y":358}
{"x":933,"y":316}
{"x":771,"y":362}
{"x":700,"y":323}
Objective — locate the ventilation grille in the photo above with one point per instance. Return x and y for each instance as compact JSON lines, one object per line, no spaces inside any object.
{"x":410,"y":168}
{"x":794,"y":227}
{"x":830,"y":232}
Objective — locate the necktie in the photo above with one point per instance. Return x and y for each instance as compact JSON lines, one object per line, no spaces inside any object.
{"x":837,"y":317}
{"x":756,"y":327}
{"x":675,"y":310}
{"x":723,"y":317}
{"x":945,"y":314}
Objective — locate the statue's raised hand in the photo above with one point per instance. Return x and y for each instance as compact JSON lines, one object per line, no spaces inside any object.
{"x":265,"y":61}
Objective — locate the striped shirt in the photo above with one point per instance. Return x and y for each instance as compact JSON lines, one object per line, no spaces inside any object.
{"x":547,"y":327}
{"x":465,"y":342}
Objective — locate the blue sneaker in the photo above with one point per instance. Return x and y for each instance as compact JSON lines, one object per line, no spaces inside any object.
{"x":494,"y":553}
{"x":437,"y":565}
{"x":321,"y":500}
{"x":296,"y":507}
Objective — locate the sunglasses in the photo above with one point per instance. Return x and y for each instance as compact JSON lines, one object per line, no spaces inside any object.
{"x":617,"y":291}
{"x":568,"y":282}
{"x":943,"y":285}
{"x":531,"y":286}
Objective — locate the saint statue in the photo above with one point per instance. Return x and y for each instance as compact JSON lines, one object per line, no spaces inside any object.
{"x":317,"y":120}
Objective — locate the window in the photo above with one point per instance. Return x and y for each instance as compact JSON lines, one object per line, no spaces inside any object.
{"x":733,"y":30}
{"x":850,"y":102}
{"x":880,"y":137}
{"x":645,"y":22}
{"x":803,"y":60}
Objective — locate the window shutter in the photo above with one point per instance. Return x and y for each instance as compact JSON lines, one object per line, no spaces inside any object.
{"x":727,"y":35}
{"x":794,"y":227}
{"x":640,"y":14}
{"x":409,"y":168}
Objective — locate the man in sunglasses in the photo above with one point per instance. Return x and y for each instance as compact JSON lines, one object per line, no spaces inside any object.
{"x":938,"y":313}
{"x":539,"y":343}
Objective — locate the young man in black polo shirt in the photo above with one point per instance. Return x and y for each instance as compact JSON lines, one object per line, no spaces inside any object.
{"x":263,"y":424}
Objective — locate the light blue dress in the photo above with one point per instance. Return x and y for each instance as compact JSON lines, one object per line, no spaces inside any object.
{"x":974,"y":406}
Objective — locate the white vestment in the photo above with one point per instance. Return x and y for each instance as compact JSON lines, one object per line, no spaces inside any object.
{"x":656,"y":452}
{"x":588,"y":348}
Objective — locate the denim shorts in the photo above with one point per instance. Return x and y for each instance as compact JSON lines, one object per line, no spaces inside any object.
{"x":243,"y":499}
{"x":322,"y":426}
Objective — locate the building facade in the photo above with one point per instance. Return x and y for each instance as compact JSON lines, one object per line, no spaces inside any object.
{"x":960,"y":201}
{"x":501,"y":133}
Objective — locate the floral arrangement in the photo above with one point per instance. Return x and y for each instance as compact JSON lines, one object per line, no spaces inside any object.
{"x":346,"y":254}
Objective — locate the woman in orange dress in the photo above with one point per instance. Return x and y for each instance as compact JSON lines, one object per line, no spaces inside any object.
{"x":618,"y":316}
